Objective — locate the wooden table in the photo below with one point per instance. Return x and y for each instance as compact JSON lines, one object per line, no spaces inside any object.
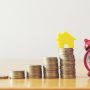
{"x":82,"y":83}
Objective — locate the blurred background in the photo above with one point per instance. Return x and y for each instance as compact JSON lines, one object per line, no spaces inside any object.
{"x":28,"y":30}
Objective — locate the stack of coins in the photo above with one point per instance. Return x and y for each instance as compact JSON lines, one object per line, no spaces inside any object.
{"x":3,"y":77}
{"x":51,"y":67}
{"x":17,"y":75}
{"x":67,"y":63}
{"x":34,"y":71}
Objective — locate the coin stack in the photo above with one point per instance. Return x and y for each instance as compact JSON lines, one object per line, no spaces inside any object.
{"x":51,"y":67}
{"x":34,"y":71}
{"x":67,"y":63}
{"x":17,"y":75}
{"x":3,"y":77}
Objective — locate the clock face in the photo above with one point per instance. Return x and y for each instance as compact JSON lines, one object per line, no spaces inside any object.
{"x":88,"y":60}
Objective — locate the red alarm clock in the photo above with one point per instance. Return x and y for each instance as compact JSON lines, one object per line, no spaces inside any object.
{"x":87,"y":55}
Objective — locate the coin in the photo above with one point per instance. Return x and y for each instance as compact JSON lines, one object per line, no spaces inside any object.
{"x":48,"y":61}
{"x":68,"y":76}
{"x":51,"y":67}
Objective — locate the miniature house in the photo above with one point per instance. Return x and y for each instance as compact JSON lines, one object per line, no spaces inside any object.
{"x":65,"y":39}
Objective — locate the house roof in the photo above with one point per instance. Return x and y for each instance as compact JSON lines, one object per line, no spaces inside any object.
{"x":65,"y":35}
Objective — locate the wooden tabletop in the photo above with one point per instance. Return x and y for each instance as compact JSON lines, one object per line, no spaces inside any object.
{"x":82,"y":83}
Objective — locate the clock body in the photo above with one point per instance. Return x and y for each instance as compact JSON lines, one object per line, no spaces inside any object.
{"x":87,"y":61}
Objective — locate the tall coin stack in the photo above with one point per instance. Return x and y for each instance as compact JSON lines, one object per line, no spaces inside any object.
{"x":17,"y":75}
{"x":67,"y":63}
{"x":34,"y":71}
{"x":51,"y":67}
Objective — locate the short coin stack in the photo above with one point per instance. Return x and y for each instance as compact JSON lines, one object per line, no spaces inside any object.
{"x":3,"y":77}
{"x":17,"y":75}
{"x":67,"y":63}
{"x":34,"y":71}
{"x":51,"y":67}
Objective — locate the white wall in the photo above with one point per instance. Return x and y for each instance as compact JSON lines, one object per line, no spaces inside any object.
{"x":28,"y":29}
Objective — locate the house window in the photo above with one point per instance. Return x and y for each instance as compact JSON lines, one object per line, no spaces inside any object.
{"x":66,"y":46}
